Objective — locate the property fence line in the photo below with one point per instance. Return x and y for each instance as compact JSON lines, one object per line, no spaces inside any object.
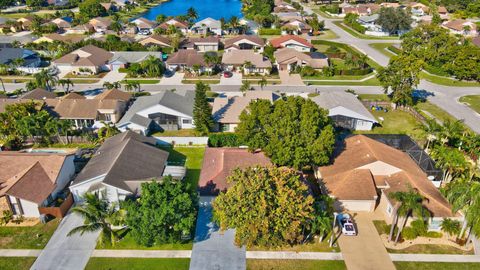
{"x":182,"y":140}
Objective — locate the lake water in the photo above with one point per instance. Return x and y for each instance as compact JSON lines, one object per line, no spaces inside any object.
{"x":205,"y":8}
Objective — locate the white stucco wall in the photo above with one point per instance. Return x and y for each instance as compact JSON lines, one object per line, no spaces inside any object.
{"x":355,"y":205}
{"x":30,"y":209}
{"x":65,"y":175}
{"x":165,"y":110}
{"x":80,"y":189}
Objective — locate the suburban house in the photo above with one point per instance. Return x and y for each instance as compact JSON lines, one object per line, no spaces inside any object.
{"x":87,"y":113}
{"x":296,"y":27}
{"x":205,"y":44}
{"x":165,"y":111}
{"x":100,"y":24}
{"x":283,"y":7}
{"x":62,"y":38}
{"x":38,"y":94}
{"x":288,"y":59}
{"x":63,"y":23}
{"x":32,"y":179}
{"x":461,"y":27}
{"x":114,"y":94}
{"x":88,"y":59}
{"x":364,"y":173}
{"x":291,"y":41}
{"x":186,"y":60}
{"x":244,"y":42}
{"x":369,"y":22}
{"x":345,"y":110}
{"x":179,"y":25}
{"x":156,"y":40}
{"x":124,"y":58}
{"x":218,"y":163}
{"x":81,"y":29}
{"x":226,"y":110}
{"x":418,"y":9}
{"x":246,"y":61}
{"x":121,"y":165}
{"x":25,"y":22}
{"x":361,"y":9}
{"x":144,"y":25}
{"x":207,"y":25}
{"x":30,"y":58}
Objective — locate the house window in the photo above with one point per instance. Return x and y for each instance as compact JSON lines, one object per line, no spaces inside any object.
{"x":389,"y":209}
{"x":16,"y":206}
{"x":186,"y":121}
{"x":108,"y":117}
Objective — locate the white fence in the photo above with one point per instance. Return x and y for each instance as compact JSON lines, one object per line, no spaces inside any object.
{"x":182,"y":140}
{"x":377,"y":34}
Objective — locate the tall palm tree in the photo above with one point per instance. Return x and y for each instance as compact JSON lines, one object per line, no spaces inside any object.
{"x":262,"y":83}
{"x":450,"y":226}
{"x":322,"y":225}
{"x":234,"y":22}
{"x":106,"y":131}
{"x":411,"y":204}
{"x":152,"y":66}
{"x":430,"y":130}
{"x":65,"y":84}
{"x":192,"y":14}
{"x":45,"y":79}
{"x":98,"y":215}
{"x":245,"y":87}
{"x":211,"y":60}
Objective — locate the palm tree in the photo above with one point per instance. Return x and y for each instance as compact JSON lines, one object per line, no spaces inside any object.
{"x":411,"y":204}
{"x":192,"y":14}
{"x":66,"y":84}
{"x":262,"y":83}
{"x":152,"y":66}
{"x":234,"y":22}
{"x":322,"y":225}
{"x":452,"y":131}
{"x":45,"y":79}
{"x":106,"y":131}
{"x":245,"y":87}
{"x":450,"y":227}
{"x":211,"y":60}
{"x":98,"y":215}
{"x":430,"y":130}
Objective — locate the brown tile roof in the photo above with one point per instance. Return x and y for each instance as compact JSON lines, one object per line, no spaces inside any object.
{"x":397,"y":168}
{"x":89,"y":55}
{"x":38,"y":94}
{"x":175,"y":22}
{"x":144,"y":23}
{"x":459,"y":24}
{"x":73,"y":95}
{"x":252,"y":38}
{"x":218,"y":163}
{"x":341,"y":185}
{"x":241,"y":56}
{"x":278,"y":42}
{"x":156,"y":39}
{"x":65,"y":38}
{"x":209,"y":39}
{"x":100,"y":22}
{"x":186,"y":57}
{"x":114,"y":94}
{"x":81,"y":108}
{"x":289,"y":56}
{"x":228,"y":110}
{"x":442,"y":10}
{"x":29,"y":176}
{"x":61,"y":23}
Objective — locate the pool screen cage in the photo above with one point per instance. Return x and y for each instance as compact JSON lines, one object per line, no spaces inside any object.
{"x":406,"y":144}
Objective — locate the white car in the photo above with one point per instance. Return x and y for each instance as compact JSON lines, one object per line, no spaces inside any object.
{"x":346,"y":223}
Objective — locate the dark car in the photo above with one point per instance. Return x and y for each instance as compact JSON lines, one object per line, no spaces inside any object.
{"x":227,"y":74}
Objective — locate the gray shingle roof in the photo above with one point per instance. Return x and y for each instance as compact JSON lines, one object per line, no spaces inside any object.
{"x":133,"y":57}
{"x":330,"y":100}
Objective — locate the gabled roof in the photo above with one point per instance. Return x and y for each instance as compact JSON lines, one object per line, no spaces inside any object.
{"x":144,"y":23}
{"x":278,"y":42}
{"x":208,"y":22}
{"x":38,"y":94}
{"x":241,"y":56}
{"x":65,"y":38}
{"x":218,"y":163}
{"x":156,"y":39}
{"x":73,"y":95}
{"x":9,"y":54}
{"x":459,"y":24}
{"x":81,"y":108}
{"x":114,"y":94}
{"x":172,"y":100}
{"x":177,"y":23}
{"x":188,"y":58}
{"x":250,"y":38}
{"x":89,"y":55}
{"x":330,"y":100}
{"x":133,"y":57}
{"x":125,"y":160}
{"x":289,"y":55}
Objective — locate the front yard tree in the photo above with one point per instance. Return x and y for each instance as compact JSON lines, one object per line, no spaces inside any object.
{"x":293,"y":131}
{"x":91,"y":8}
{"x":202,"y":112}
{"x":267,"y":206}
{"x":164,"y":213}
{"x":394,"y":20}
{"x":450,"y":226}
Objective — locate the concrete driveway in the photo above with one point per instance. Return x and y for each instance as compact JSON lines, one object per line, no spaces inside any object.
{"x":213,"y":249}
{"x":113,"y":76}
{"x":175,"y":79}
{"x":290,"y":79}
{"x":365,"y":251}
{"x":67,"y":253}
{"x":236,"y":79}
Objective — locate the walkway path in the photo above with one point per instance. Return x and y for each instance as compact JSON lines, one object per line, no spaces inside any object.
{"x":213,"y":249}
{"x":365,"y":251}
{"x":67,"y":252}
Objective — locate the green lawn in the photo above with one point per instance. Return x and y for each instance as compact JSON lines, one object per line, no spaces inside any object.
{"x":327,"y":34}
{"x":258,"y":264}
{"x":395,"y":122}
{"x":128,"y":242}
{"x":204,"y":81}
{"x":382,"y":47}
{"x":308,"y":247}
{"x":433,"y":110}
{"x":447,"y":81}
{"x":374,"y":97}
{"x":33,"y":237}
{"x":17,"y":263}
{"x":436,"y":266}
{"x":84,"y":81}
{"x":176,"y":133}
{"x":140,"y":81}
{"x":431,"y":249}
{"x":336,"y":77}
{"x":360,"y":35}
{"x":137,"y":264}
{"x":472,"y":101}
{"x":369,"y":82}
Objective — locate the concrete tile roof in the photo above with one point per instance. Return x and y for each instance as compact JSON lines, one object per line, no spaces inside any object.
{"x":241,"y":56}
{"x":278,"y":42}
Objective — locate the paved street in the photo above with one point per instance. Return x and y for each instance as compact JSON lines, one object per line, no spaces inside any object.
{"x":67,"y":253}
{"x":213,"y":249}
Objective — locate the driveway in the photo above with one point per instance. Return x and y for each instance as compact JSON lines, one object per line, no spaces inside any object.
{"x":365,"y":251}
{"x":290,"y":79}
{"x":236,"y":79}
{"x":213,"y":249}
{"x":176,"y":79}
{"x":113,"y":76}
{"x":67,"y":253}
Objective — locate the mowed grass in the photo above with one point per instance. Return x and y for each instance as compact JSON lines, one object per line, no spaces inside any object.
{"x":382,"y":48}
{"x":431,"y":249}
{"x":17,"y":263}
{"x":176,"y":133}
{"x":128,"y":242}
{"x":31,"y":237}
{"x":313,"y":246}
{"x":436,"y":266}
{"x":395,"y":122}
{"x":257,"y":264}
{"x":435,"y":111}
{"x":138,"y":264}
{"x":193,"y":158}
{"x":369,"y":82}
{"x":447,"y":81}
{"x":473,"y":101}
{"x":354,"y":33}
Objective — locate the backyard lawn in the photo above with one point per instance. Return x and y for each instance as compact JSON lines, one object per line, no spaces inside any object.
{"x":436,"y":266}
{"x":193,"y":159}
{"x":395,"y":122}
{"x":17,"y":263}
{"x":32,"y":237}
{"x":472,"y":101}
{"x":137,"y":264}
{"x":175,"y":133}
{"x":294,"y":264}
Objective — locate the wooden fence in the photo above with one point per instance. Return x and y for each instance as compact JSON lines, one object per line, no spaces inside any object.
{"x":58,"y":211}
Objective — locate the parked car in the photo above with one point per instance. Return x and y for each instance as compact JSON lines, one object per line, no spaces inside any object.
{"x":227,"y":74}
{"x":346,"y":223}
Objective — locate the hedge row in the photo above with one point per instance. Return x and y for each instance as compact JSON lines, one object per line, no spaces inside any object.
{"x":357,"y":27}
{"x":354,"y":72}
{"x":270,"y":31}
{"x":223,"y":140}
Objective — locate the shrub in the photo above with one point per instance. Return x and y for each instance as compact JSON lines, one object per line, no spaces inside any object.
{"x":223,"y":140}
{"x":408,"y":233}
{"x":333,"y":9}
{"x":211,"y":94}
{"x":419,"y":227}
{"x":434,"y":234}
{"x":311,"y":95}
{"x":394,"y":49}
{"x":122,"y":70}
{"x":308,"y":71}
{"x":270,"y":31}
{"x":435,"y":70}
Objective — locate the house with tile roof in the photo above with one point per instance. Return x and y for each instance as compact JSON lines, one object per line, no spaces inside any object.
{"x":207,"y":25}
{"x":288,"y":59}
{"x":156,"y":40}
{"x":185,"y":60}
{"x":226,"y":110}
{"x":38,"y":94}
{"x":123,"y":59}
{"x":30,"y":179}
{"x":291,"y":41}
{"x":244,"y":42}
{"x":164,"y":111}
{"x":119,"y":167}
{"x":365,"y":171}
{"x":57,"y":37}
{"x":88,"y":59}
{"x":144,"y":25}
{"x":461,"y":27}
{"x":100,"y":24}
{"x":296,"y":27}
{"x":202,"y":44}
{"x":345,"y":110}
{"x":178,"y":24}
{"x":247,"y":62}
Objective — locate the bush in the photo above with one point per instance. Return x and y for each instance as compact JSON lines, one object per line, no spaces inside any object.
{"x":419,"y":227}
{"x":434,"y":234}
{"x":223,"y":140}
{"x":211,"y":94}
{"x":332,"y":9}
{"x":308,"y":71}
{"x":435,"y":70}
{"x":408,"y":233}
{"x":394,"y":49}
{"x":270,"y":31}
{"x":122,"y":70}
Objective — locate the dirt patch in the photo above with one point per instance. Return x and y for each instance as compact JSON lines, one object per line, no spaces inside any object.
{"x":4,"y":241}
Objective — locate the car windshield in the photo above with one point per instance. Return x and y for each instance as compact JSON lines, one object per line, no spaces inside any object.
{"x":349,"y":227}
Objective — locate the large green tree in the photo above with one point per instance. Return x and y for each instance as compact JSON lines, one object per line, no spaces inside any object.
{"x":267,"y":206}
{"x":292,"y":131}
{"x":394,"y":20}
{"x":202,"y":112}
{"x":164,"y":213}
{"x":91,"y":9}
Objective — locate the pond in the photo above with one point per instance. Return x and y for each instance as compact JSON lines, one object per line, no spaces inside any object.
{"x":215,"y":9}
